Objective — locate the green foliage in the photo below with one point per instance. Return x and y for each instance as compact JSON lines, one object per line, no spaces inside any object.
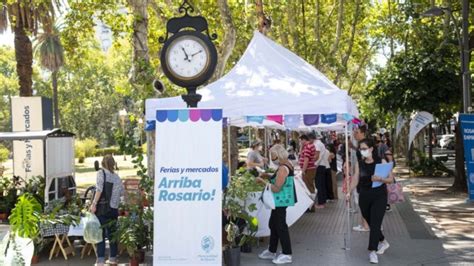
{"x":134,"y":230}
{"x":4,"y":153}
{"x":85,"y":148}
{"x":24,"y":220}
{"x":429,"y":167}
{"x":109,"y":150}
{"x":235,"y":205}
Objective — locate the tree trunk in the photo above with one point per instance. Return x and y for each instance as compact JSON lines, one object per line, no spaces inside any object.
{"x":305,"y":48}
{"x":317,"y":29}
{"x":340,"y":21}
{"x":150,"y":148}
{"x":230,"y":37}
{"x":359,"y":68}
{"x":292,"y":26}
{"x":24,"y":59}
{"x":141,"y":58}
{"x":54,"y":77}
{"x":460,"y":180}
{"x":392,"y":47}
{"x":264,"y":23}
{"x":347,"y":55}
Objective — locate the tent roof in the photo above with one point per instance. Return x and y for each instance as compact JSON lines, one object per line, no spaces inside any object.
{"x":268,"y":80}
{"x":30,"y":135}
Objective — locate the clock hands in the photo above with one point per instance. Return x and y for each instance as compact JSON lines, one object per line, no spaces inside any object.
{"x":200,"y":51}
{"x":186,"y":54}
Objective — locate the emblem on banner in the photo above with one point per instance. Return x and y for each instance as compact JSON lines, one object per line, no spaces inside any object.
{"x":207,"y":243}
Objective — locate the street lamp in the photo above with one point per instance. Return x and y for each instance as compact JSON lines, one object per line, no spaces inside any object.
{"x":463,"y":47}
{"x":123,"y":115}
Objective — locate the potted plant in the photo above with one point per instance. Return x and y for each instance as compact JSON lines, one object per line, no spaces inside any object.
{"x":134,"y":230}
{"x":25,"y":219}
{"x":240,"y":226}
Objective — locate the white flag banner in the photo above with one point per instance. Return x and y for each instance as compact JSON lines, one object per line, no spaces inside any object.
{"x":400,"y":123}
{"x":188,"y":187}
{"x":421,"y":120}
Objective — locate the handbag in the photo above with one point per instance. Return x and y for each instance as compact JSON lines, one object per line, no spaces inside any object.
{"x":267,"y":197}
{"x":395,"y":193}
{"x":103,"y":206}
{"x":287,"y":195}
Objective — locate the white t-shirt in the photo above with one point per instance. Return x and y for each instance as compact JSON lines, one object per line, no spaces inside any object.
{"x":323,"y":154}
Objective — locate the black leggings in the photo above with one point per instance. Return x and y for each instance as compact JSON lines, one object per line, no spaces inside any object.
{"x":279,"y":231}
{"x":320,"y":181}
{"x":372,"y":204}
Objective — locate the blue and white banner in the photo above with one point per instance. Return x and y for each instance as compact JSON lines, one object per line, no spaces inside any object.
{"x":421,"y":120}
{"x":467,"y":130}
{"x":188,"y":187}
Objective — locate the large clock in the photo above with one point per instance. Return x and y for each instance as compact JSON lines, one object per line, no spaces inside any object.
{"x":188,"y":58}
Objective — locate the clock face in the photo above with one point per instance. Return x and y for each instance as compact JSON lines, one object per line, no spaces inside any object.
{"x":187,"y":57}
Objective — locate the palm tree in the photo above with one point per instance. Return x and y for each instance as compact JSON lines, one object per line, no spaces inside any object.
{"x":51,"y":55}
{"x":25,"y":17}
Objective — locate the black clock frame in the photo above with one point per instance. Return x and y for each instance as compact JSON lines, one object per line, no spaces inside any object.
{"x":205,"y":75}
{"x":179,"y":27}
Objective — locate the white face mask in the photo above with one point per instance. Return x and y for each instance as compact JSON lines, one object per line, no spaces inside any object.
{"x":365,"y":153}
{"x":276,"y":162}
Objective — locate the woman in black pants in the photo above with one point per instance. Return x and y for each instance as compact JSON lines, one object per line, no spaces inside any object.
{"x":282,"y":186}
{"x":372,"y":201}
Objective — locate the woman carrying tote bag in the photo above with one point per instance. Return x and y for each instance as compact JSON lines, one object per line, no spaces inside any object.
{"x":282,"y":186}
{"x":105,"y":205}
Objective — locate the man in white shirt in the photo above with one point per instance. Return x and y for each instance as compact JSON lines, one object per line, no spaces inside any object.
{"x":321,"y":163}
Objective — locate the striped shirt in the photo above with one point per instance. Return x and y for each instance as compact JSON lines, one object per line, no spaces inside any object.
{"x":309,"y":152}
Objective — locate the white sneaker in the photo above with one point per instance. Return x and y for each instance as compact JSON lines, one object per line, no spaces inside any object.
{"x":360,"y":228}
{"x":267,"y":255}
{"x":282,"y":259}
{"x":373,"y":257}
{"x":382,"y":247}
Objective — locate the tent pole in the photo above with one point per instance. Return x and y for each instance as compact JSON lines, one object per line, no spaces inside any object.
{"x":347,"y":238}
{"x":229,"y":153}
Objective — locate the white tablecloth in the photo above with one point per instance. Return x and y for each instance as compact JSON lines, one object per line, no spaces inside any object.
{"x":293,"y":213}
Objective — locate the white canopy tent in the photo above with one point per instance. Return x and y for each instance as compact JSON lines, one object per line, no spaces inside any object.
{"x":268,"y":80}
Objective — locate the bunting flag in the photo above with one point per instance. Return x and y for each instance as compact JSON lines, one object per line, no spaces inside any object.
{"x":150,"y":125}
{"x":256,"y":119}
{"x":292,"y":121}
{"x":328,"y":119}
{"x":276,"y":118}
{"x":348,"y":117}
{"x":311,"y":120}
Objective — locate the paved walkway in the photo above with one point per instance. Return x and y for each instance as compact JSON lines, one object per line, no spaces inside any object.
{"x":318,"y":238}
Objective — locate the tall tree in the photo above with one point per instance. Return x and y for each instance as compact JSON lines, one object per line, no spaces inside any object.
{"x":25,"y":18}
{"x":51,"y":55}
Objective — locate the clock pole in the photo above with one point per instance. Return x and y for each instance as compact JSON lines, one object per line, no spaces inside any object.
{"x":195,"y":28}
{"x":192,"y":98}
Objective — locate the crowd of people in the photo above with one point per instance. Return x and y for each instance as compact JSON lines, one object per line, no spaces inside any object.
{"x":320,"y":159}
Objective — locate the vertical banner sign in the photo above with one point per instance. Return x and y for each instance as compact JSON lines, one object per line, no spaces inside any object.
{"x":400,"y":123}
{"x":467,"y":129}
{"x":30,"y":114}
{"x":421,"y":120}
{"x":188,"y":187}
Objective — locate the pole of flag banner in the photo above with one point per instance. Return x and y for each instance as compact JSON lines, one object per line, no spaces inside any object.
{"x":347,"y":235}
{"x":229,"y":152}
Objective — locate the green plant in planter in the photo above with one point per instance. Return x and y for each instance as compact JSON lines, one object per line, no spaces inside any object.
{"x":25,"y":219}
{"x":241,"y":226}
{"x":134,"y":231}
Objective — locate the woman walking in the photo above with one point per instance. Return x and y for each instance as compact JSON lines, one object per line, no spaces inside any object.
{"x":109,"y":188}
{"x":282,"y":185}
{"x":372,"y":201}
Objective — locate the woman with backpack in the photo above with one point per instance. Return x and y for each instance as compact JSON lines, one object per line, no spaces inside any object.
{"x":105,"y":205}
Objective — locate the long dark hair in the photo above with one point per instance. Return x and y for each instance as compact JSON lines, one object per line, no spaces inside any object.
{"x":371,"y":144}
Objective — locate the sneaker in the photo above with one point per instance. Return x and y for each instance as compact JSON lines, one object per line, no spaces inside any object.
{"x":373,"y":257}
{"x":267,"y":255}
{"x":360,"y":228}
{"x":282,"y":259}
{"x":384,"y":245}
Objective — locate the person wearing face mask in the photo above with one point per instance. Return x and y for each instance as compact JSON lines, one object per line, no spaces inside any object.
{"x":372,"y":201}
{"x":254,"y":157}
{"x":282,"y":186}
